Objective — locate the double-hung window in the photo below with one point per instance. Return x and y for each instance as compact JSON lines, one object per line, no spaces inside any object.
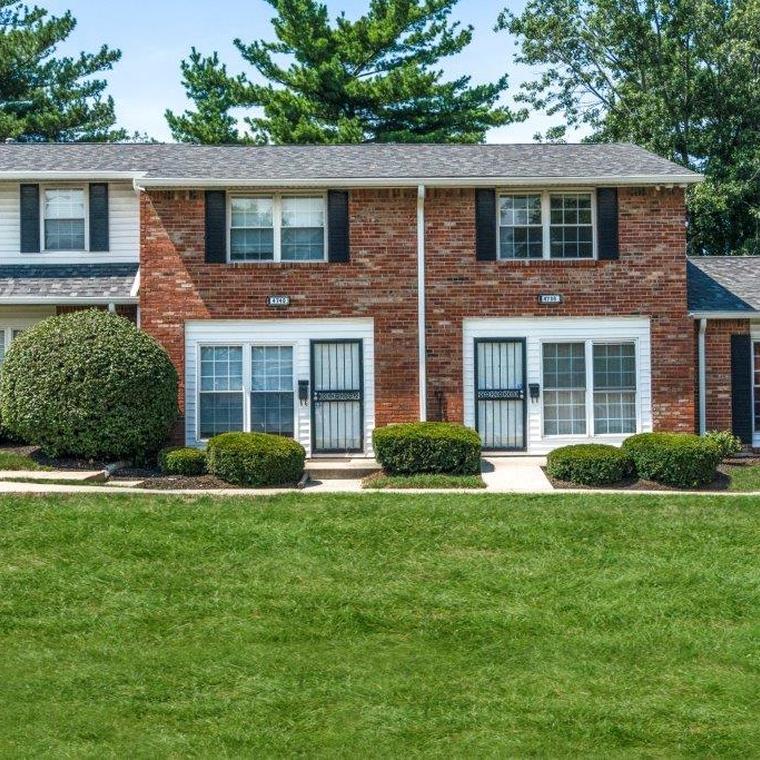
{"x":246,"y":387}
{"x":7,"y":336}
{"x":589,"y":388}
{"x":548,"y":225}
{"x":221,"y":390}
{"x":277,"y":228}
{"x":63,"y":219}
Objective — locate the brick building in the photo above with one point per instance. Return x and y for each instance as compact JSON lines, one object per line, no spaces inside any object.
{"x":535,"y":292}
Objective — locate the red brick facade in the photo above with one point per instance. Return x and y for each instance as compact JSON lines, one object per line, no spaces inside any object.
{"x":381,"y":282}
{"x":718,"y":369}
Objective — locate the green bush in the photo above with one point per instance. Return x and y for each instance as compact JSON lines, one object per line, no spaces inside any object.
{"x":589,"y":464}
{"x":427,"y":447}
{"x":727,"y":442}
{"x":182,"y":460}
{"x":255,"y":459}
{"x":674,"y":459}
{"x":89,"y":384}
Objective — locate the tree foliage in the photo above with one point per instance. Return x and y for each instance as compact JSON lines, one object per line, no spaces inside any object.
{"x":680,"y":77}
{"x":48,"y":97}
{"x":374,"y":79}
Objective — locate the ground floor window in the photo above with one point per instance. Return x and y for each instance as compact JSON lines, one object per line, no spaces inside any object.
{"x":229,"y":375}
{"x":756,"y":384}
{"x":7,"y":336}
{"x":589,"y":385}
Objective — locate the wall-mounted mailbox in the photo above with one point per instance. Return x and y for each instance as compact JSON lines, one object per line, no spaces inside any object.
{"x":303,"y":392}
{"x":535,"y":391}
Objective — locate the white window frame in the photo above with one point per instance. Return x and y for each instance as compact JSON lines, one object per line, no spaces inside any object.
{"x":589,"y":344}
{"x":86,"y":199}
{"x":546,"y":195}
{"x":246,"y":388}
{"x":7,"y":331}
{"x":277,"y":199}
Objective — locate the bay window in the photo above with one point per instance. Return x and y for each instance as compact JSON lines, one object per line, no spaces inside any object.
{"x":277,"y":228}
{"x":590,"y":388}
{"x":549,"y":225}
{"x":63,"y":215}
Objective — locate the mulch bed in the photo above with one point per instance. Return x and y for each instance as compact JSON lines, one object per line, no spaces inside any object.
{"x":63,"y":463}
{"x":721,"y":483}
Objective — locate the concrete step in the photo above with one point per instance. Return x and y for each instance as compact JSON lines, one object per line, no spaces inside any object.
{"x":341,"y":469}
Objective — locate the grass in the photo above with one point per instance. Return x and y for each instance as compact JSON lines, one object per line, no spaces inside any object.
{"x":10,"y":460}
{"x":434,"y":480}
{"x":743,"y":478}
{"x":380,"y":625}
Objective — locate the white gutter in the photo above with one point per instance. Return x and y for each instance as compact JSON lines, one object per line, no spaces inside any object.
{"x":702,"y":364}
{"x":725,"y":314}
{"x":77,"y":176}
{"x":65,"y":300}
{"x":635,"y":181}
{"x":134,"y":291}
{"x":421,"y":342}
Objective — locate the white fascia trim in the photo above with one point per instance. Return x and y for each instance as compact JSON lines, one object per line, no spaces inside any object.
{"x":134,"y":291}
{"x":65,"y":300}
{"x":636,"y":181}
{"x":73,"y":176}
{"x":724,"y":314}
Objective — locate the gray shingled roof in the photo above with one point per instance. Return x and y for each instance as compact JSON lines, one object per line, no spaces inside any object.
{"x":65,"y":281}
{"x":724,"y":283}
{"x":370,"y":161}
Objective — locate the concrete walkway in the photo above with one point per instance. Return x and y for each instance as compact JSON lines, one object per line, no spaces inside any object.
{"x":516,"y":475}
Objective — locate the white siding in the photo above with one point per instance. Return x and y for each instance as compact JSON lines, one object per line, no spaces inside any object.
{"x":124,"y":229}
{"x":295,"y":332}
{"x":539,"y":330}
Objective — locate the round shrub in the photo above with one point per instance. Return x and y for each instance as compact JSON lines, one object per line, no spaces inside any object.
{"x":727,"y":442}
{"x":182,"y":460}
{"x":674,"y":459}
{"x":589,"y":464}
{"x":427,"y":447}
{"x":255,"y":459}
{"x":89,"y":384}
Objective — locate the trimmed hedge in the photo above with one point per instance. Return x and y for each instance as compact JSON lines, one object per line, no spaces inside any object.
{"x":674,"y":459}
{"x":91,"y":385}
{"x":589,"y":464}
{"x":255,"y":459}
{"x":427,"y":447}
{"x":182,"y":460}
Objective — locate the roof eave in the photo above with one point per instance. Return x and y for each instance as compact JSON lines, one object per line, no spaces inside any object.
{"x":68,"y":176}
{"x":717,"y":314}
{"x":68,"y":300}
{"x":358,"y":182}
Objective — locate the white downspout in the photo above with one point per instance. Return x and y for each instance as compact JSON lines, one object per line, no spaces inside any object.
{"x":701,"y":359}
{"x":422,"y":357}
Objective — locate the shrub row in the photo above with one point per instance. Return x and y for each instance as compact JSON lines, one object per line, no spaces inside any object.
{"x":674,"y":459}
{"x":182,"y":460}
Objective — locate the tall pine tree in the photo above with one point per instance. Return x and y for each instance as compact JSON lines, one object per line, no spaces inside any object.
{"x":374,"y":79}
{"x":44,"y":97}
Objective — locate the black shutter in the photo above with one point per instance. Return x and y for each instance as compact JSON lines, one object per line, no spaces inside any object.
{"x":216,"y":226}
{"x":337,"y":226}
{"x":30,"y":218}
{"x":99,"y":216}
{"x":485,"y":224}
{"x":741,"y":387}
{"x":607,"y":223}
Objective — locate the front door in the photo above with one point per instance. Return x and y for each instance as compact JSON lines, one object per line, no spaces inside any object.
{"x":337,"y":396}
{"x":500,"y":411}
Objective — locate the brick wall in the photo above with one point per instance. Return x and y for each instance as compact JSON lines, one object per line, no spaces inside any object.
{"x":380,"y":281}
{"x":649,"y":279}
{"x":718,"y":369}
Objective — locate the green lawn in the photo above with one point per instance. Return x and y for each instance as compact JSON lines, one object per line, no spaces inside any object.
{"x":380,"y":625}
{"x":432,"y":480}
{"x":10,"y":460}
{"x":744,"y":478}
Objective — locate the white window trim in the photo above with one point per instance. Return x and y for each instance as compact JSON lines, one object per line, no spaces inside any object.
{"x":246,"y":388}
{"x":546,"y":220}
{"x":86,"y":202}
{"x":7,"y":331}
{"x":276,"y":226}
{"x":589,"y":344}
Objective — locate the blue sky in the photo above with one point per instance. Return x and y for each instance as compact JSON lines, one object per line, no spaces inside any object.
{"x":155,"y":35}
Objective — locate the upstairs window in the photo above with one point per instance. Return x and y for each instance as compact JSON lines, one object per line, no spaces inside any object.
{"x":546,"y":225}
{"x":277,"y":228}
{"x":64,"y":219}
